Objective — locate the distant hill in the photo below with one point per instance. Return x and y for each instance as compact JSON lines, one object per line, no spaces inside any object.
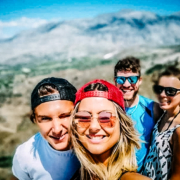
{"x":96,"y":37}
{"x":80,"y":51}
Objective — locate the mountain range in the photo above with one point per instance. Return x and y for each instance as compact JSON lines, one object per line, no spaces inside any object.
{"x":101,"y":37}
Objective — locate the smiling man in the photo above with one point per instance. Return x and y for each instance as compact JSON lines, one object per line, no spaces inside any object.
{"x":143,"y":111}
{"x":48,"y":154}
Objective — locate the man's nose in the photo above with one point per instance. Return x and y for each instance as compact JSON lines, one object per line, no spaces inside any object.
{"x":56,"y":126}
{"x":126,"y":83}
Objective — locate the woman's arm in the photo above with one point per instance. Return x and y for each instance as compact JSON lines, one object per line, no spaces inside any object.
{"x":176,"y":155}
{"x":157,"y":111}
{"x":134,"y":176}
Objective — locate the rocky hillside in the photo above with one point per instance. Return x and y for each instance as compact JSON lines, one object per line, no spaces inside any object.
{"x":77,"y":50}
{"x":15,"y":126}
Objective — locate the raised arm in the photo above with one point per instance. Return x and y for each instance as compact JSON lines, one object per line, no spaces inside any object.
{"x":176,"y":155}
{"x":134,"y":176}
{"x":157,"y":111}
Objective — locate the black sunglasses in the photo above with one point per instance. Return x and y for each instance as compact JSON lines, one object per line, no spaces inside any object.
{"x":169,"y":91}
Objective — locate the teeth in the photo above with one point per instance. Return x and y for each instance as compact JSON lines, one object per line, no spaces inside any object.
{"x":95,"y":137}
{"x":55,"y":137}
{"x":60,"y":138}
{"x":164,"y":101}
{"x":126,"y":90}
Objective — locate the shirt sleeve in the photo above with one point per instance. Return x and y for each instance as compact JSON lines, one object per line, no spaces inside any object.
{"x":18,"y":170}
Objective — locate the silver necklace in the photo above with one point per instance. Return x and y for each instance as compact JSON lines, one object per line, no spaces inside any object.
{"x":133,"y":110}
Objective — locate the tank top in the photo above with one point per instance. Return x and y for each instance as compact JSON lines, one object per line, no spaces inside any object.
{"x":158,"y":161}
{"x":142,"y":116}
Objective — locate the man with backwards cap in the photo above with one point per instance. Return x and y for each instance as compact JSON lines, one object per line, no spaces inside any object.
{"x":48,"y":154}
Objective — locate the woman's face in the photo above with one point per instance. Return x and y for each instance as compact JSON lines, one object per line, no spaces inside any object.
{"x":98,"y":138}
{"x":169,"y":102}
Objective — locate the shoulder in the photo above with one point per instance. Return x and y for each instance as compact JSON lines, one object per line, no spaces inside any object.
{"x":134,"y":176}
{"x":77,"y":175}
{"x":157,"y":111}
{"x":157,"y":108}
{"x":22,"y":153}
{"x":25,"y":148}
{"x":146,"y":102}
{"x":145,"y":99}
{"x":176,"y":134}
{"x":147,"y":105}
{"x":152,"y":106}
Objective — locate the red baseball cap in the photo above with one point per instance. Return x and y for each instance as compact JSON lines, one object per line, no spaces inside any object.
{"x":113,"y":93}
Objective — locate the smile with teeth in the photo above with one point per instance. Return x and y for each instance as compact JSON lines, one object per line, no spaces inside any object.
{"x":95,"y":136}
{"x":126,"y":91}
{"x":59,"y":137}
{"x":96,"y":139}
{"x":164,"y":101}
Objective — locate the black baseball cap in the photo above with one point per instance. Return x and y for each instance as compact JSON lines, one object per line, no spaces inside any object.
{"x":66,"y":91}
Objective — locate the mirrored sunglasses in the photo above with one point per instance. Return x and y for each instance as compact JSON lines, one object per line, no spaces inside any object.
{"x":131,"y":79}
{"x":83,"y":119}
{"x":169,"y":91}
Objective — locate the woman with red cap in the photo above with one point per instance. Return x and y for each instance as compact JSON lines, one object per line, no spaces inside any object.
{"x":103,"y":137}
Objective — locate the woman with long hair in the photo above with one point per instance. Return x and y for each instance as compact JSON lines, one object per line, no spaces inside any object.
{"x":103,"y":136}
{"x":163,"y":159}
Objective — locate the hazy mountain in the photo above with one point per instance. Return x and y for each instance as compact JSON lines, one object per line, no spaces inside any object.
{"x":107,"y":33}
{"x":77,"y":50}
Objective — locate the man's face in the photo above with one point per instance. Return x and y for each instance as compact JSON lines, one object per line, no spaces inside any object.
{"x":129,"y":90}
{"x":53,"y":119}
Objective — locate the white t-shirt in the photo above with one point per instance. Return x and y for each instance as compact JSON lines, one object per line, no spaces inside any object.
{"x":36,"y":159}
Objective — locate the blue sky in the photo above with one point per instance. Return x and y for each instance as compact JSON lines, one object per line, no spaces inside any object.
{"x":48,"y":9}
{"x":17,"y":15}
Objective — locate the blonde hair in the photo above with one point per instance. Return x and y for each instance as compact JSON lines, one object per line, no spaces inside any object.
{"x":122,"y":158}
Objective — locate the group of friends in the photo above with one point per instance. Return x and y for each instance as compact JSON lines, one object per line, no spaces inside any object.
{"x":104,"y":131}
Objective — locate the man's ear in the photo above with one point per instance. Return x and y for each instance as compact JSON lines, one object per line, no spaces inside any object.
{"x":32,"y":117}
{"x":140,"y":80}
{"x":115,"y":81}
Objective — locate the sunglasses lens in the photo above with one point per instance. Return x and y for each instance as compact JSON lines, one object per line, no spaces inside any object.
{"x":158,"y":89}
{"x":106,"y":119}
{"x":120,"y":80}
{"x":170,"y":91}
{"x":133,"y":79}
{"x":83,"y":119}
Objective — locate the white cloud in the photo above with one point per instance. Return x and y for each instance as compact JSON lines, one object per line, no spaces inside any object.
{"x":23,"y":22}
{"x":10,"y":28}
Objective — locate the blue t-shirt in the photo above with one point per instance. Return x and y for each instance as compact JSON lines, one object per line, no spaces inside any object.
{"x":36,"y":159}
{"x":142,"y":116}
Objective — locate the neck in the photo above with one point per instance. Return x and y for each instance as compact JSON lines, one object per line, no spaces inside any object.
{"x":172,"y":112}
{"x":103,"y":158}
{"x":132,"y":102}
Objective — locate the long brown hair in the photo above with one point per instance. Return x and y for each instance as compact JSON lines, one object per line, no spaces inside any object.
{"x":122,"y":158}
